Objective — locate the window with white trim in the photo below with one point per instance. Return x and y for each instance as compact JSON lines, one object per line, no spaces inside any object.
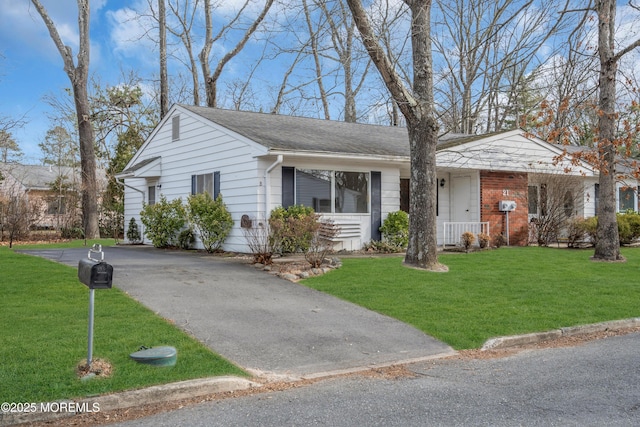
{"x":626,"y":199}
{"x":206,"y":183}
{"x":151,"y":195}
{"x":333,"y":191}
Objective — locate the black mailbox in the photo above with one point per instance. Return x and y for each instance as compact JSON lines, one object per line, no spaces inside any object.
{"x":95,"y":274}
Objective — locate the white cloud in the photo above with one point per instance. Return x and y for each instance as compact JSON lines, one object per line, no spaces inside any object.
{"x":24,"y":32}
{"x":129,"y":34}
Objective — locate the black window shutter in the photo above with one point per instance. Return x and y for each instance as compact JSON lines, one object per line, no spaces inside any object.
{"x":288,"y":186}
{"x":376,"y":205}
{"x":193,"y":185}
{"x":216,"y":184}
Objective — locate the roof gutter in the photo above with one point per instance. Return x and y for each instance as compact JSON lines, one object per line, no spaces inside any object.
{"x":267,"y":183}
{"x":344,"y":156}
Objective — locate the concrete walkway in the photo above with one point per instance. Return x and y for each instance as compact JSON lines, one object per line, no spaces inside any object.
{"x":264,"y":324}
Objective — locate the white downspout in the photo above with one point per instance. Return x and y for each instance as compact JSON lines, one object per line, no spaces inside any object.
{"x":267,"y":183}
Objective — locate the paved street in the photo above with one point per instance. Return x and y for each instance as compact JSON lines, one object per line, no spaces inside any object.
{"x":596,"y":384}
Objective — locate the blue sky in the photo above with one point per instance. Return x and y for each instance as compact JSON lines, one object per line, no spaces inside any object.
{"x":31,"y":66}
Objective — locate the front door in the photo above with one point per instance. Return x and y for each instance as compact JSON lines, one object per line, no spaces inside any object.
{"x":461,"y":200}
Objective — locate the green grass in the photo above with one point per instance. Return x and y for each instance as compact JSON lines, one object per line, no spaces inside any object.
{"x":44,"y":324}
{"x":492,"y":293}
{"x":67,"y":244}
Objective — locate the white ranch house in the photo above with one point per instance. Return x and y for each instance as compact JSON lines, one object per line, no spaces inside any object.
{"x":353,"y":174}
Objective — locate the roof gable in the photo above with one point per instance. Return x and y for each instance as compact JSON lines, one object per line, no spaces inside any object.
{"x":508,"y":151}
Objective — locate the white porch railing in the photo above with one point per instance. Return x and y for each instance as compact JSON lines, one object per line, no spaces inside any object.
{"x":453,"y":231}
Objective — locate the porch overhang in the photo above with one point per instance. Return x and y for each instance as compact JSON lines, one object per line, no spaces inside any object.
{"x":298,"y":154}
{"x":148,"y":168}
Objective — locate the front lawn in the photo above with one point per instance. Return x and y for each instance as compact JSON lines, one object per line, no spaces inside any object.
{"x":44,"y":324}
{"x":492,"y":293}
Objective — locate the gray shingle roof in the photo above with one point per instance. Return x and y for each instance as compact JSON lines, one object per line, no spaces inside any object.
{"x":36,"y":177}
{"x":289,"y":133}
{"x":303,"y":134}
{"x":140,"y":165}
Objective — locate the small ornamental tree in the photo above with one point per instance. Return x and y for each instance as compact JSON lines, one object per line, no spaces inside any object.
{"x":321,"y":243}
{"x":210,"y":218}
{"x":259,"y":240}
{"x":163,"y":221}
{"x":133,"y":233}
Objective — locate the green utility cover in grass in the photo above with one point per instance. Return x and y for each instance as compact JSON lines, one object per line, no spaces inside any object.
{"x":156,"y":356}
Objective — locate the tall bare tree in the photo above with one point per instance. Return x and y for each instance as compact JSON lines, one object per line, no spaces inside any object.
{"x":608,"y":243}
{"x":164,"y":80}
{"x":416,"y":105}
{"x":211,"y":77}
{"x":315,"y":53}
{"x":78,"y":75}
{"x":185,"y":13}
{"x":346,"y":55}
{"x":485,"y":50}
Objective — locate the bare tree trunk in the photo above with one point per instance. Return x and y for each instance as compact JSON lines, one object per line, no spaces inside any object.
{"x":186,"y":14}
{"x":206,"y":52}
{"x":315,"y":53}
{"x":164,"y":84}
{"x":78,"y":75}
{"x":418,"y":110}
{"x":608,"y":244}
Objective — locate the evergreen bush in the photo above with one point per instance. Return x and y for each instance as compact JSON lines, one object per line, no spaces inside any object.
{"x":163,"y":221}
{"x":133,"y":233}
{"x":211,"y":219}
{"x":395,"y":229}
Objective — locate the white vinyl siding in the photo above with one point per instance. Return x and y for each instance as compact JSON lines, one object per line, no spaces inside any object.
{"x":202,"y":149}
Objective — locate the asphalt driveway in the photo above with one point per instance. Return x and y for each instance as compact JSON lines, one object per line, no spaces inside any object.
{"x":263,"y":323}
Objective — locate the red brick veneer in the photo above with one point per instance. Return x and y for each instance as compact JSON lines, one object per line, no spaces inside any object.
{"x":496,"y":186}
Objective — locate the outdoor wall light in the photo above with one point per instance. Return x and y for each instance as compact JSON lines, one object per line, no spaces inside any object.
{"x":442,"y":182}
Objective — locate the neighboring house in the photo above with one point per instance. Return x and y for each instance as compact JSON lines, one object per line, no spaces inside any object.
{"x":54,"y":208}
{"x":353,"y":174}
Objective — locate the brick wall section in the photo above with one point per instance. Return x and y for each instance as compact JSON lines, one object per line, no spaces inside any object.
{"x":496,"y":186}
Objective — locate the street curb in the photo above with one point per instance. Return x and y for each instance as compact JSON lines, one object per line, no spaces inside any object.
{"x":572,"y":331}
{"x":151,"y":395}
